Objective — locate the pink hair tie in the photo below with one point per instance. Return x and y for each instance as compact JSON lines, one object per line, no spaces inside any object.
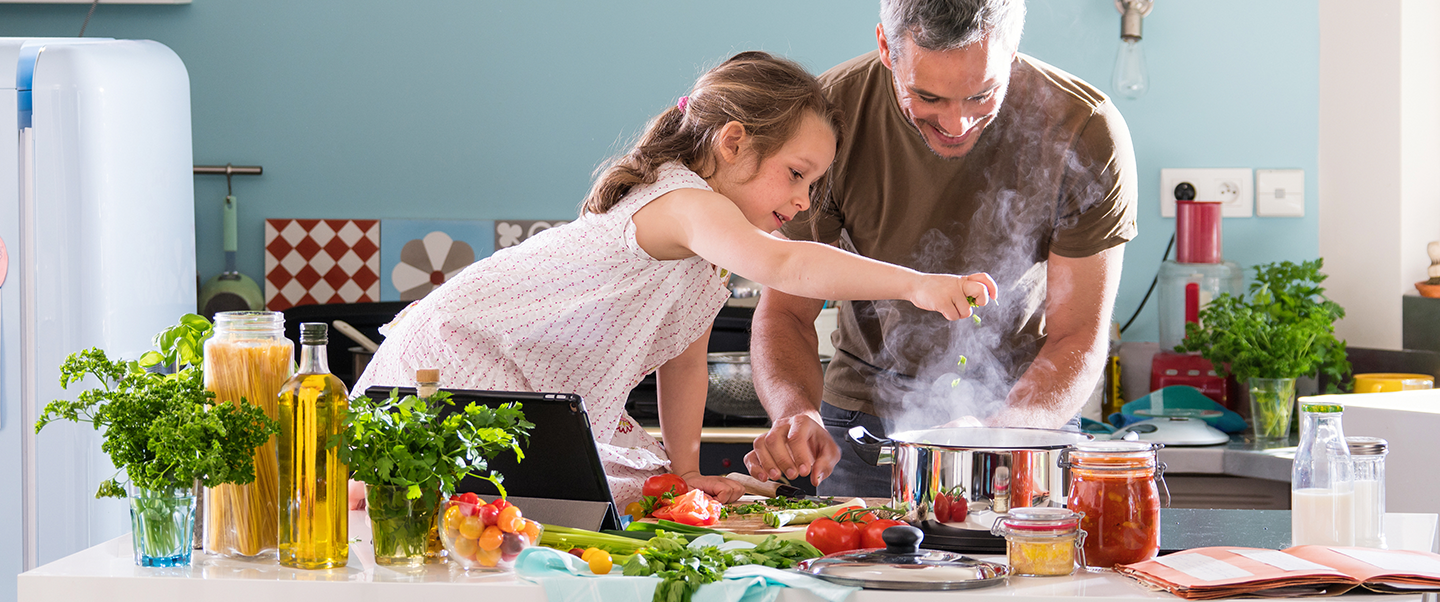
{"x":684,"y":100}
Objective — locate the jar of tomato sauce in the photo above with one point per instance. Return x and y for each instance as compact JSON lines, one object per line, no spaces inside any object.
{"x":1115,"y":486}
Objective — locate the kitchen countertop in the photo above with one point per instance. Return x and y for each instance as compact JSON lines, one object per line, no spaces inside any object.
{"x":107,"y":571}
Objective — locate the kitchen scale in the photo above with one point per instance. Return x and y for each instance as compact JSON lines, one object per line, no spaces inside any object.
{"x":1174,"y":430}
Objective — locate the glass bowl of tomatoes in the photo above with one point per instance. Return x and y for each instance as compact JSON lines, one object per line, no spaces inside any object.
{"x":485,"y":536}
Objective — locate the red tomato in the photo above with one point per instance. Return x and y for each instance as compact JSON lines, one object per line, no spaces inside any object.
{"x":662,"y":513}
{"x":695,"y":508}
{"x":942,"y":507}
{"x":501,"y":504}
{"x":959,"y":507}
{"x":870,"y":535}
{"x":469,"y":497}
{"x":661,"y":484}
{"x":489,"y":514}
{"x":830,"y":537}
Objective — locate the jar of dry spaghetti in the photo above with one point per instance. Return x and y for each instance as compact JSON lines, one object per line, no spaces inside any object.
{"x":247,"y":361}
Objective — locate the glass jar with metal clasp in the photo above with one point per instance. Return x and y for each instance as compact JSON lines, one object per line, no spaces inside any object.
{"x":1116,"y":486}
{"x":1042,"y":542}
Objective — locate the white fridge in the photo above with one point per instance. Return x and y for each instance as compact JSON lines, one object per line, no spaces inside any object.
{"x":97,"y":221}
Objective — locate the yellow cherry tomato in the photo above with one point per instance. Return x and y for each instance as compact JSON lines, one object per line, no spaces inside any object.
{"x":470,"y":527}
{"x":491,"y":538}
{"x":452,"y":517}
{"x":466,"y":548}
{"x":601,"y":563}
{"x":635,"y":509}
{"x":488,"y":557}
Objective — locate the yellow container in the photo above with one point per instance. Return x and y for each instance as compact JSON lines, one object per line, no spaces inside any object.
{"x":1381,"y":382}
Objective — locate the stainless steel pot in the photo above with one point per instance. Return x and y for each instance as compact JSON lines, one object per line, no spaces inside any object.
{"x":954,"y":483}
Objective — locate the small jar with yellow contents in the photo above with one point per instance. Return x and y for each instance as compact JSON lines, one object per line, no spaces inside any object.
{"x":1041,"y":542}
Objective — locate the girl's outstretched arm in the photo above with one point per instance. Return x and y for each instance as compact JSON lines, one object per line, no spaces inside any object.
{"x":689,"y":222}
{"x":683,"y":382}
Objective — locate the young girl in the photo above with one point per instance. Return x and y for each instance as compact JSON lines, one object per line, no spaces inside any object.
{"x":635,"y":283}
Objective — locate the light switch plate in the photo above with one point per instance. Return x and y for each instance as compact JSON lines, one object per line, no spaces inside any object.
{"x":1280,"y":192}
{"x":1233,"y":187}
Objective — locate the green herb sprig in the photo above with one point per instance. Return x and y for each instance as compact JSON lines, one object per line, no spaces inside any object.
{"x":1284,"y":328}
{"x":162,"y":430}
{"x":683,"y":569}
{"x":401,"y":441}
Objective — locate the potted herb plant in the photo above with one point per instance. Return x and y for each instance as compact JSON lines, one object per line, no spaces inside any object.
{"x":1282,"y":329}
{"x":165,"y":433}
{"x":407,"y":456}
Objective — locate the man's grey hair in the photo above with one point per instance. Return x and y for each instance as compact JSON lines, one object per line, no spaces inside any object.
{"x":951,"y":24}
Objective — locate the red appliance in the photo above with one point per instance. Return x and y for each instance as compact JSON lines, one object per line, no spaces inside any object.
{"x":1198,"y":260}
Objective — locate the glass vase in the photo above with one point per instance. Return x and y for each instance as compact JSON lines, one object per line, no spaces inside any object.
{"x":1272,"y":402}
{"x":399,"y":526}
{"x":163,"y":524}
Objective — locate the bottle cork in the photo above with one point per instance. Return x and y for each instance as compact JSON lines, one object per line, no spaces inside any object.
{"x":427,"y":381}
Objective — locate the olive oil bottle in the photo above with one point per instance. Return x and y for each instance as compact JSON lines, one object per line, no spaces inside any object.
{"x":314,"y":507}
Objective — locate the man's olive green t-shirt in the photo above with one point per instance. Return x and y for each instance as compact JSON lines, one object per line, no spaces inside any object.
{"x":1053,"y":173}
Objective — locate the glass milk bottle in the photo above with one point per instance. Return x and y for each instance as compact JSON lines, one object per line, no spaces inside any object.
{"x":314,"y":506}
{"x":1369,"y":456}
{"x":1322,"y":493}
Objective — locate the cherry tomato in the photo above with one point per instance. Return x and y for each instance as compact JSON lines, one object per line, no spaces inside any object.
{"x":490,"y":538}
{"x":470,"y":527}
{"x":830,"y":537}
{"x":532,"y":531}
{"x":959,"y":507}
{"x":635,"y":509}
{"x":501,"y":504}
{"x":468,"y":502}
{"x":510,"y":520}
{"x":696,"y":508}
{"x":488,"y":514}
{"x":661,"y":484}
{"x":870,"y":535}
{"x":577,"y":552}
{"x":465,"y":548}
{"x":511,"y":544}
{"x":452,"y":516}
{"x":942,"y":507}
{"x":488,"y":557}
{"x":601,"y":562}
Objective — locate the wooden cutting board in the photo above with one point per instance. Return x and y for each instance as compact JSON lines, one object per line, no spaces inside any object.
{"x":754,"y":524}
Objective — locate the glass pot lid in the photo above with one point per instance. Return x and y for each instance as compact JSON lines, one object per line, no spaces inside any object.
{"x":902,"y":565}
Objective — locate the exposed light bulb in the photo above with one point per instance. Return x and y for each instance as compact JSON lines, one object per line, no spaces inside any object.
{"x":1129,"y":78}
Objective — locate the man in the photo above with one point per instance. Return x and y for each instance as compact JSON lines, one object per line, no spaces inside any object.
{"x":959,"y":155}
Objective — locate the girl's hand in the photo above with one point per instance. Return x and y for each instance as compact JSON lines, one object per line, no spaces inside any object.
{"x":722,"y":489}
{"x":356,"y":493}
{"x":950,"y":295}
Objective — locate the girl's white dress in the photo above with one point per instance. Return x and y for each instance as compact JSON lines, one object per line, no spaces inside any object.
{"x":580,"y":309}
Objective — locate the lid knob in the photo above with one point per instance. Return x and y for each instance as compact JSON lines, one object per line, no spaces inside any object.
{"x":902,"y":539}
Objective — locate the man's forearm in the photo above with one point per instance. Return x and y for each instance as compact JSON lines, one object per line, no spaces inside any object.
{"x":784,"y":353}
{"x":1056,"y":385}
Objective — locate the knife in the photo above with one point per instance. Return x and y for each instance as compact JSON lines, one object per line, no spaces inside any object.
{"x":769,"y":489}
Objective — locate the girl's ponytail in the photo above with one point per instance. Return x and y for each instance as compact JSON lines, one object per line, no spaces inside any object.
{"x":767,"y":94}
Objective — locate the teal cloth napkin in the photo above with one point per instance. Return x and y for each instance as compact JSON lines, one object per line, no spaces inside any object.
{"x":568,"y":579}
{"x":1178,"y":396}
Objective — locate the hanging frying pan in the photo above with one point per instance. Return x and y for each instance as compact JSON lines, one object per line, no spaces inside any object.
{"x":231,"y":290}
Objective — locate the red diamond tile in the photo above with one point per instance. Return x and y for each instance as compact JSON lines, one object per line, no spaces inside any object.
{"x":307,"y":276}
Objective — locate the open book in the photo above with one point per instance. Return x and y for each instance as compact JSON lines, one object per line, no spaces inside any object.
{"x":1225,"y":572}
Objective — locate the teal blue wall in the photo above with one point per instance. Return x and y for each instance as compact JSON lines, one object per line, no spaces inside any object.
{"x":465,"y":109}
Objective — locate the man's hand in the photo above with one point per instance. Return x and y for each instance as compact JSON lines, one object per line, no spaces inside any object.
{"x":795,"y":446}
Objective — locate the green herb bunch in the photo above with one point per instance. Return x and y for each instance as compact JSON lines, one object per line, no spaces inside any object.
{"x":403,"y":442}
{"x":683,"y":568}
{"x":162,"y":430}
{"x":1284,"y":328}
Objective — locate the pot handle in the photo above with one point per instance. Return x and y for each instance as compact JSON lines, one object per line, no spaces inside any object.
{"x":873,"y":450}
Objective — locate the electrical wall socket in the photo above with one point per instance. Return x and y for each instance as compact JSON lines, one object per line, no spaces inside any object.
{"x":1234,"y":187}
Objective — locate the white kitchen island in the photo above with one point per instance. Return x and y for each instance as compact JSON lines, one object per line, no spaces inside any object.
{"x":107,"y":571}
